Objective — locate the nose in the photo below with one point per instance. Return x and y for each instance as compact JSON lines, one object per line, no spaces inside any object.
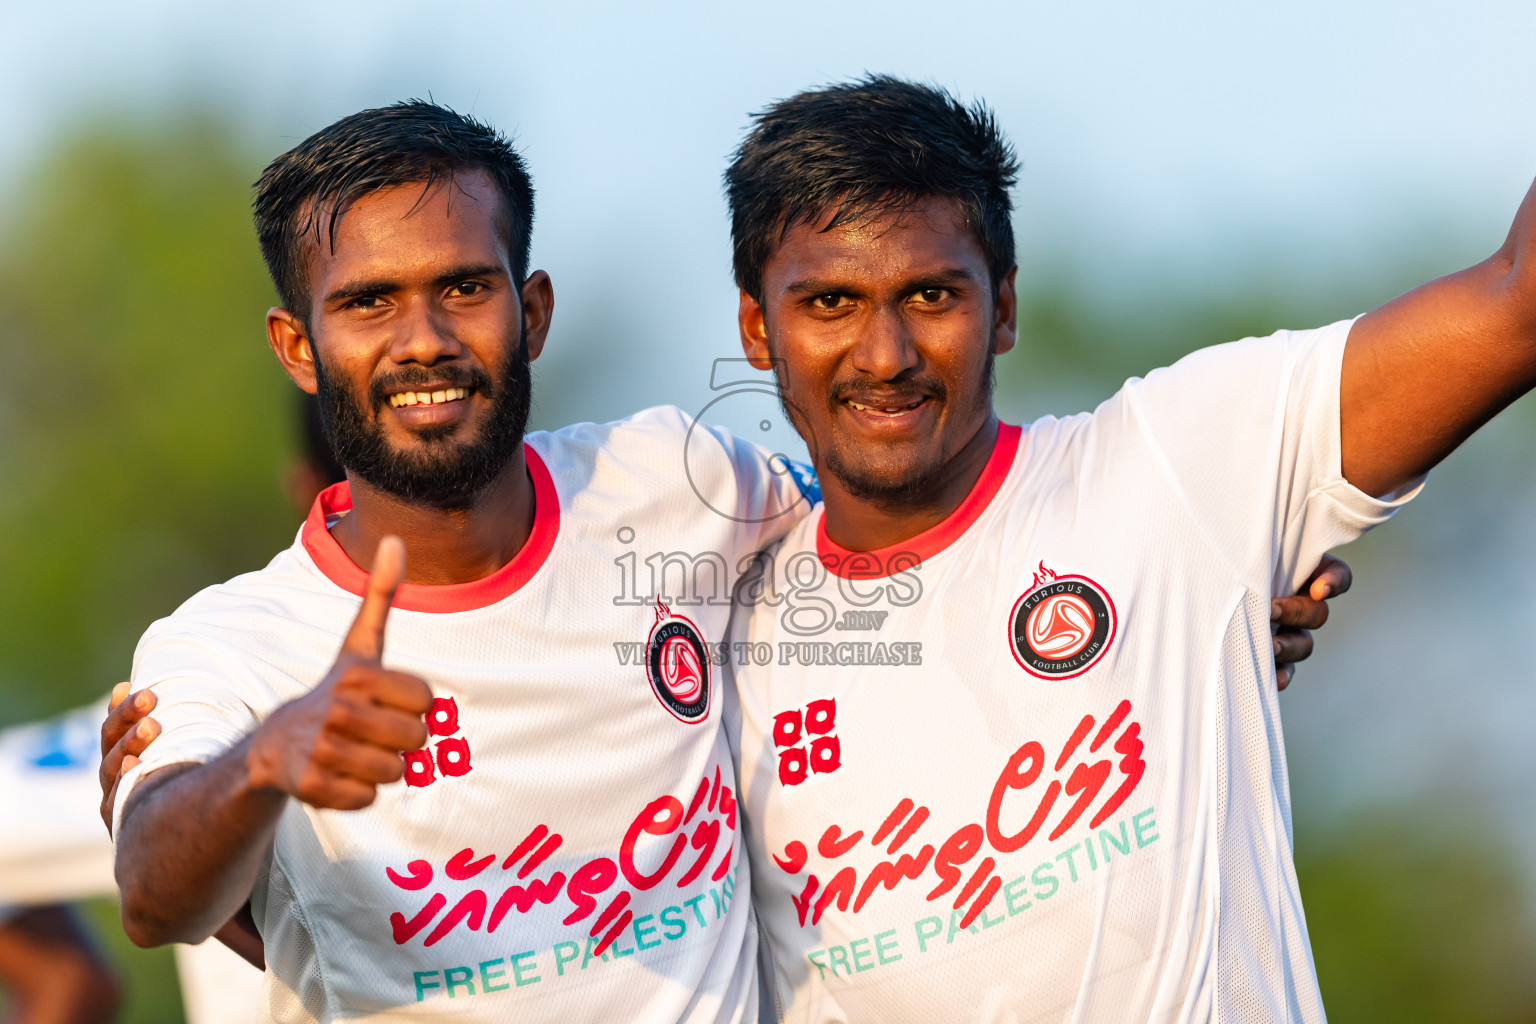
{"x":424,"y":335}
{"x":884,"y":348}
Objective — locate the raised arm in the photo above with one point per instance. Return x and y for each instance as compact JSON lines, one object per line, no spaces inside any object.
{"x":192,"y":837}
{"x":1428,"y":368}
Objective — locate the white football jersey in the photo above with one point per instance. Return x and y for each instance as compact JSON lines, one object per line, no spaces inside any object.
{"x":53,"y":846}
{"x":565,"y":845}
{"x":55,"y":849}
{"x":1028,"y":766}
{"x":217,"y":985}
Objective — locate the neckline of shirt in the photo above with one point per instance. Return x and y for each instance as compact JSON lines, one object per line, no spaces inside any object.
{"x":887,"y":561}
{"x":338,"y":567}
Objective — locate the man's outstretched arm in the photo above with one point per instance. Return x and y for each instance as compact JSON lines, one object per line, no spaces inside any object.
{"x":1424,"y":371}
{"x":192,"y":837}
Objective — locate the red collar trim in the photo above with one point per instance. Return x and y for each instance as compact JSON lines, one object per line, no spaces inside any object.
{"x":888,"y":561}
{"x":331,"y":560}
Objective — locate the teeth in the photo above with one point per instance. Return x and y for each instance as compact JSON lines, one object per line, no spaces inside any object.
{"x":428,"y":397}
{"x":886,"y":410}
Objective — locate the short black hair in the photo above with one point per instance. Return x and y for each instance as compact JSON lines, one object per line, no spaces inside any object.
{"x":406,"y":142}
{"x":863,"y":148}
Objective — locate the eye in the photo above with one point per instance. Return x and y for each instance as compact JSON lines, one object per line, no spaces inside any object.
{"x":831,"y":300}
{"x":931,"y":295}
{"x":469,"y":288}
{"x":365,"y":302}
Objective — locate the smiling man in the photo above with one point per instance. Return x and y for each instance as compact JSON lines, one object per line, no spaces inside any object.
{"x":564,"y":839}
{"x":488,"y":816}
{"x":1072,"y":804}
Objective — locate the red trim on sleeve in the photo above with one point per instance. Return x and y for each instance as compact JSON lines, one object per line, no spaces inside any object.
{"x":866,"y":565}
{"x":331,"y":560}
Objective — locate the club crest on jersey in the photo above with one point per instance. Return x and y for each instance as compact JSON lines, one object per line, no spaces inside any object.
{"x":677,"y":664}
{"x":1061,"y":625}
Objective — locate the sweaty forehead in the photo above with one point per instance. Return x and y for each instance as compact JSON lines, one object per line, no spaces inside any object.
{"x":928,"y":236}
{"x":410,"y":230}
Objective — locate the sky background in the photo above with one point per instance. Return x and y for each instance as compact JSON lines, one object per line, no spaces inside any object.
{"x":1174,"y":145}
{"x":1172,"y":153}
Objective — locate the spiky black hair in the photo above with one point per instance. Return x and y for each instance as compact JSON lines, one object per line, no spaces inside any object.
{"x":862,"y":148}
{"x":411,"y":141}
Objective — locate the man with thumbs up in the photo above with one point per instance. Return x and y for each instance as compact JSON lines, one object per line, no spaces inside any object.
{"x":436,"y":784}
{"x":336,"y":745}
{"x":330,"y":748}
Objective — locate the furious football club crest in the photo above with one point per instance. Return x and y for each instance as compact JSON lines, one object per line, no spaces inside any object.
{"x":677,"y":664}
{"x":1061,"y":626}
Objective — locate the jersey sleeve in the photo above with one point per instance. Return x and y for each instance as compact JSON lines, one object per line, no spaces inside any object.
{"x":198,"y":705}
{"x":1248,"y":435}
{"x":771,"y":492}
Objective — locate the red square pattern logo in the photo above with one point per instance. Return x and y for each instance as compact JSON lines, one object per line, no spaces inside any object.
{"x":449,"y":756}
{"x":820,"y":752}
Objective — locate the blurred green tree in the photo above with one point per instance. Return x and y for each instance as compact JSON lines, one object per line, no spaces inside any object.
{"x":1418,"y":925}
{"x":144,"y":422}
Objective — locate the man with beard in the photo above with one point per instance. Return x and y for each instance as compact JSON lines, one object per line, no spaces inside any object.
{"x":1052,"y":785}
{"x":565,"y":834}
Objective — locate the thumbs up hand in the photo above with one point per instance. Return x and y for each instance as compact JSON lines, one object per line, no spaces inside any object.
{"x":337,"y":744}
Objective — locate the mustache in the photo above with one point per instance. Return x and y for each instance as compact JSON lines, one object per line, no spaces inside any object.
{"x":903,"y":390}
{"x":421,"y":378}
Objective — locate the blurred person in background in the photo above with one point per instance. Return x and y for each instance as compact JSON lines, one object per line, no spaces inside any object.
{"x":51,"y":856}
{"x":50,"y":969}
{"x":1077,"y":804}
{"x":317,"y":469}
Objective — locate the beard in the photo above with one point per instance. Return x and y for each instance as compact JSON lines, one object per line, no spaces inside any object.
{"x":441,"y":472}
{"x":911,"y":487}
{"x":909,"y":483}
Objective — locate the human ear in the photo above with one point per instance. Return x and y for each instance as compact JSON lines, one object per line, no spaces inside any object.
{"x":538,"y":309}
{"x":754,"y":332}
{"x":289,"y":339}
{"x":1005,"y":322}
